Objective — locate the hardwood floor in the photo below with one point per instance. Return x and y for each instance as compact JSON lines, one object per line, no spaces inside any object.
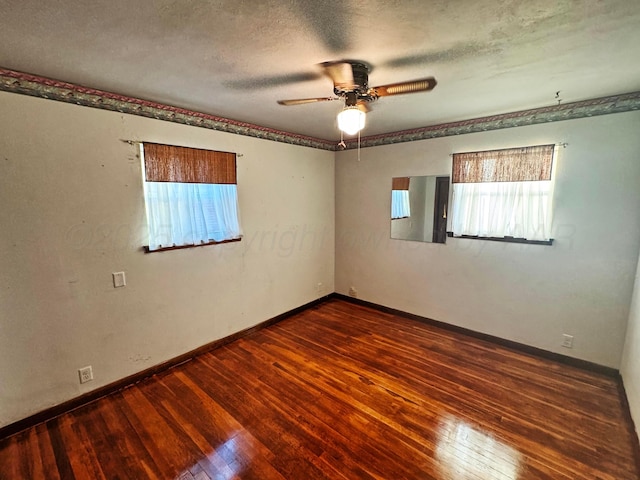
{"x":342,"y":391}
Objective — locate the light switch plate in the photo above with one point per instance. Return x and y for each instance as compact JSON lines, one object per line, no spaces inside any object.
{"x":119,"y":279}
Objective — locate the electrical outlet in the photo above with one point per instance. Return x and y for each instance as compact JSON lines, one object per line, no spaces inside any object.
{"x":353,"y":292}
{"x":320,"y":288}
{"x":567,"y":340}
{"x":85,"y":374}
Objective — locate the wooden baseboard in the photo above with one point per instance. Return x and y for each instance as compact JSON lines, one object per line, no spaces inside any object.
{"x":125,"y":382}
{"x":539,"y":352}
{"x":77,"y":402}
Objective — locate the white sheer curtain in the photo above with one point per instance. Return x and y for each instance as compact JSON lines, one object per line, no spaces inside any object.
{"x":500,"y":209}
{"x":400,"y":204}
{"x":191,"y":213}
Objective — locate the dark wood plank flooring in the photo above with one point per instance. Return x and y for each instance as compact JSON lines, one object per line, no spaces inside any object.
{"x":342,"y":391}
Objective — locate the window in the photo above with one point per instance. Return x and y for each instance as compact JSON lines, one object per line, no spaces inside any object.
{"x":503,"y":193}
{"x":190,"y":195}
{"x":400,"y":198}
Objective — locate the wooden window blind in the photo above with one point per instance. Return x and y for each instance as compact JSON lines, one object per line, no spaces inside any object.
{"x":168,"y":163}
{"x":400,"y":183}
{"x":508,"y":165}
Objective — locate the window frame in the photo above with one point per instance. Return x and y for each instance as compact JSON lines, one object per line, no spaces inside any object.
{"x":507,"y":238}
{"x":401,"y":184}
{"x":227,"y":176}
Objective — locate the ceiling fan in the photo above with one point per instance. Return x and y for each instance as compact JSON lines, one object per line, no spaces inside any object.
{"x":351,"y":84}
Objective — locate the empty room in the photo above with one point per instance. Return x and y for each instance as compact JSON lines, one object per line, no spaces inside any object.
{"x":319,"y":240}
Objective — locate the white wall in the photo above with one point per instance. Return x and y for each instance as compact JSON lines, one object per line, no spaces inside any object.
{"x":630,"y":369}
{"x":73,"y":212}
{"x":526,"y":293}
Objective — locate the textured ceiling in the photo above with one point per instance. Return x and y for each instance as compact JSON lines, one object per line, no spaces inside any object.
{"x":235,"y":58}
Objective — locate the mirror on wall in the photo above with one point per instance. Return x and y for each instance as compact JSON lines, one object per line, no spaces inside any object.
{"x":419,"y":207}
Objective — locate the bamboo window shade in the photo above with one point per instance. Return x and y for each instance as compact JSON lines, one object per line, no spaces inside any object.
{"x":168,"y":163}
{"x":400,"y":183}
{"x":524,"y":164}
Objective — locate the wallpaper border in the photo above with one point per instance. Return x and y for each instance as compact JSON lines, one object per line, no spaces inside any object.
{"x":555,"y":113}
{"x":36,"y":86}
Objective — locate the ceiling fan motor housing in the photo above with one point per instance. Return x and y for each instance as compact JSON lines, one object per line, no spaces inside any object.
{"x":360,"y":80}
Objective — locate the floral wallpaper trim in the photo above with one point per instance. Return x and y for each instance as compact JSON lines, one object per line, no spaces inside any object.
{"x":33,"y":85}
{"x":27,"y":84}
{"x":554,"y":113}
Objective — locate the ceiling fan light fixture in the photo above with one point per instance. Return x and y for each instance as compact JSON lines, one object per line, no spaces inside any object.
{"x":351,"y":120}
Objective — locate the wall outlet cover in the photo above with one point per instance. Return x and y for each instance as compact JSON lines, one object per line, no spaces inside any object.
{"x":567,"y":340}
{"x":85,"y":374}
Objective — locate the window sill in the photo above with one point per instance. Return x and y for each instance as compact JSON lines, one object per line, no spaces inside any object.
{"x":504,"y":239}
{"x":180,"y":247}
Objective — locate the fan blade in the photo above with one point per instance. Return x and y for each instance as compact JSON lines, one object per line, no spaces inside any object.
{"x":413,"y":86}
{"x":364,"y":106}
{"x":341,"y":73}
{"x":332,"y":25}
{"x":301,"y":101}
{"x":272,"y":80}
{"x":459,"y":51}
